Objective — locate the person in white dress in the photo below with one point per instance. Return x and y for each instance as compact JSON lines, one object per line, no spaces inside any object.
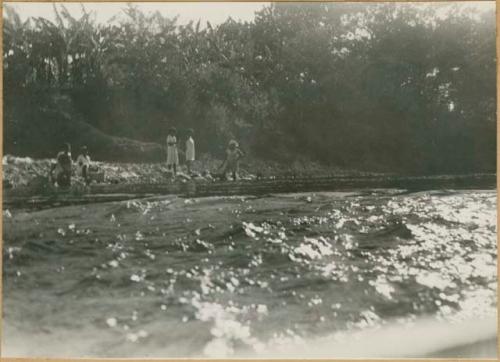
{"x":190,"y":150}
{"x":172,"y":155}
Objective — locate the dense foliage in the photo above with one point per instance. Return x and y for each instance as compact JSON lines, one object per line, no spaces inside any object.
{"x":387,"y":87}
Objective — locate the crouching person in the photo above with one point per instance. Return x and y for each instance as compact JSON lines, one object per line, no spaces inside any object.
{"x":61,"y":170}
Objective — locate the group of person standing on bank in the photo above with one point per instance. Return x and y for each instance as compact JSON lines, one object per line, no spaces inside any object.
{"x":61,"y":170}
{"x":230,"y":164}
{"x":173,"y":155}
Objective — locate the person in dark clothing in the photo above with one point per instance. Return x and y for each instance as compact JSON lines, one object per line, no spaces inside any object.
{"x":63,"y":167}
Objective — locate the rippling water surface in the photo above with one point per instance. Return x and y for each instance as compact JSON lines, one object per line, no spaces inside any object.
{"x":239,"y":276}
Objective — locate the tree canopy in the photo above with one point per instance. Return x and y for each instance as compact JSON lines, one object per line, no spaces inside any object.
{"x":390,"y":87}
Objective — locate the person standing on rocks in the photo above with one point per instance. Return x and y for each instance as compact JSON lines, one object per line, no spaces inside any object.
{"x":172,"y":154}
{"x":231,"y":163}
{"x":83,"y":164}
{"x":190,"y":152}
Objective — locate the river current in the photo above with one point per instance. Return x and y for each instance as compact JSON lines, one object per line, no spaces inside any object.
{"x":242,"y":276}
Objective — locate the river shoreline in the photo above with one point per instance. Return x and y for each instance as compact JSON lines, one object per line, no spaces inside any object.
{"x":26,"y":171}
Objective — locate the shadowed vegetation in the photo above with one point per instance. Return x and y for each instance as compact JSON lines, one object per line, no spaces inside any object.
{"x":371,"y":87}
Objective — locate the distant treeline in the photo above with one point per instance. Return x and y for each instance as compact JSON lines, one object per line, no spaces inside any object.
{"x":387,"y":87}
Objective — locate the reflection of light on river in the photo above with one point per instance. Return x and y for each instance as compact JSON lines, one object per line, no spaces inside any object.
{"x":240,"y":276}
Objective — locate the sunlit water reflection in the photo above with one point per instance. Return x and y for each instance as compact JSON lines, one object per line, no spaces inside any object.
{"x":231,"y":276}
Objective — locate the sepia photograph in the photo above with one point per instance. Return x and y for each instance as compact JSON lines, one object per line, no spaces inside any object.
{"x":249,"y":180}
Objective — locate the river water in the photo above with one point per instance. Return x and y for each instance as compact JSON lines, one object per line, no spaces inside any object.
{"x":242,"y":276}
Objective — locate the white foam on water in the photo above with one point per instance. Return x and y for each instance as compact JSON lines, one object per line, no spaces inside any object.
{"x":433,"y":280}
{"x":312,"y":248}
{"x":382,"y":286}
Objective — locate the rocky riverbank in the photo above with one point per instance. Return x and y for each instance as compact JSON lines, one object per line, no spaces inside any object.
{"x":29,"y":172}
